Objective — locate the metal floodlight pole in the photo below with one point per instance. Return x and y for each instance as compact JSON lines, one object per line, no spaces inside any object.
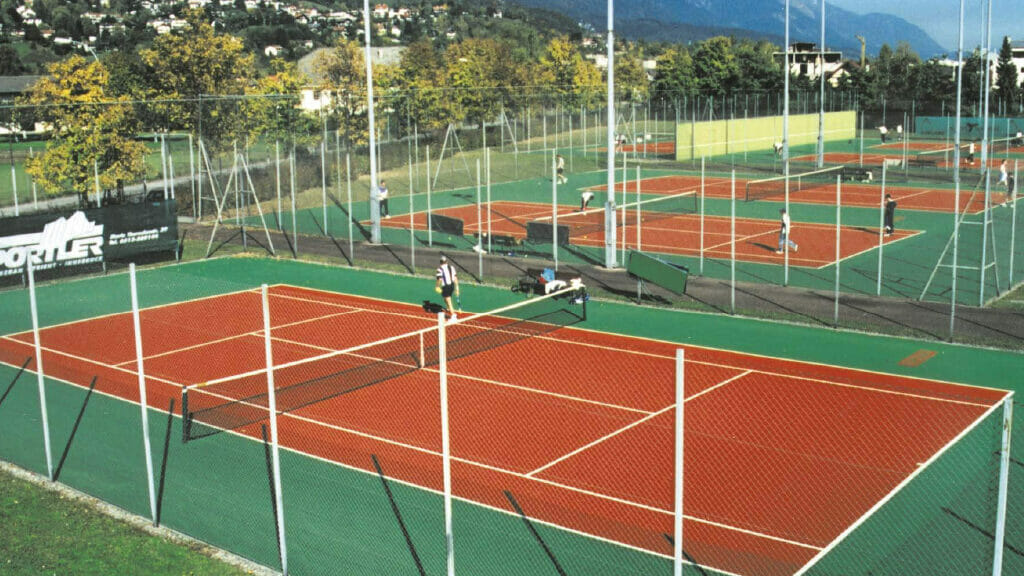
{"x":374,"y":200}
{"x":956,"y":170}
{"x":986,"y":214}
{"x":785,"y":147}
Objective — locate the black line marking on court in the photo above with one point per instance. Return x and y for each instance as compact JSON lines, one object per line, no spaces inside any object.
{"x":533,"y":530}
{"x":16,"y":376}
{"x":398,"y":516}
{"x":694,"y":563}
{"x":163,"y":463}
{"x":273,"y":494}
{"x":74,"y":429}
{"x":983,"y":531}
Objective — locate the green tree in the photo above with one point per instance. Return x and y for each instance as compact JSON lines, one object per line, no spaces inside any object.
{"x":89,"y":129}
{"x":199,"y":74}
{"x":675,"y":75}
{"x":475,"y":70}
{"x":631,"y":78}
{"x":342,"y":73}
{"x":715,"y":66}
{"x":572,"y":78}
{"x":273,"y":112}
{"x":1007,"y":87}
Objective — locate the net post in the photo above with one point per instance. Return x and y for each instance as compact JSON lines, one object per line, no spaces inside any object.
{"x":40,"y":374}
{"x":143,"y":403}
{"x":186,"y":420}
{"x":446,"y":455}
{"x":678,"y":483}
{"x":1004,"y":477}
{"x":272,"y":413}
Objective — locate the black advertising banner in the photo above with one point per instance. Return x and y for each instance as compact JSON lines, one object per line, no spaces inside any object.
{"x":62,"y":242}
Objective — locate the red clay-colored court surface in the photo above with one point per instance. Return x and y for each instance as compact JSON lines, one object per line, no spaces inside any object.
{"x":853,"y":194}
{"x":878,"y":158}
{"x":781,"y":456}
{"x":756,"y":240}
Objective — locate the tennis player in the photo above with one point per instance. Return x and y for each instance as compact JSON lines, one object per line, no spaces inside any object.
{"x":447,"y":284}
{"x":585,"y":197}
{"x":784,"y":231}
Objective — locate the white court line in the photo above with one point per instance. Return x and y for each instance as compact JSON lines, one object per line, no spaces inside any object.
{"x":417,"y":486}
{"x":513,"y":473}
{"x":608,"y":436}
{"x":238,"y":336}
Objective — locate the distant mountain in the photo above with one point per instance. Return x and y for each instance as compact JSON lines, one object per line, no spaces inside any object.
{"x":690,"y":20}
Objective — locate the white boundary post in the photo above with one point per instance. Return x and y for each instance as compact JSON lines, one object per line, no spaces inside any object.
{"x":323,"y":178}
{"x":14,"y":190}
{"x":143,"y":403}
{"x":1004,"y":479}
{"x":272,"y":412}
{"x":732,"y":247}
{"x":446,"y":455}
{"x":638,"y":217}
{"x":348,"y":188}
{"x":881,"y":232}
{"x":839,"y":260}
{"x":295,"y":225}
{"x":479,"y":223}
{"x":1013,"y":223}
{"x":702,"y":215}
{"x":430,"y":218}
{"x":40,"y":376}
{"x":412,"y":222}
{"x":680,"y":403}
{"x":487,"y":165}
{"x":277,"y":179}
{"x":554,"y":210}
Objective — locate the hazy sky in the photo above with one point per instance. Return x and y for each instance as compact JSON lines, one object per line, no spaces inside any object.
{"x":940,"y":19}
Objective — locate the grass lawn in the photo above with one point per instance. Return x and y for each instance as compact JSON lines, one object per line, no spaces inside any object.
{"x":51,"y":532}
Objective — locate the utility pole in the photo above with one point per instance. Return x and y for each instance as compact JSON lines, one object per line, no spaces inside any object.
{"x":862,"y":44}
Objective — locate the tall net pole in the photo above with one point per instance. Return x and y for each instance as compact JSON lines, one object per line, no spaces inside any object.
{"x":785,"y":149}
{"x":956,"y":170}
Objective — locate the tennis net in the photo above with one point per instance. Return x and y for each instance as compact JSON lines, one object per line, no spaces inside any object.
{"x":581,"y":223}
{"x":234,"y":402}
{"x":944,"y":155}
{"x":776,"y":186}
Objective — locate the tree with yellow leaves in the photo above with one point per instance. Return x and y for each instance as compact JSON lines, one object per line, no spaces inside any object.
{"x":91,"y":132}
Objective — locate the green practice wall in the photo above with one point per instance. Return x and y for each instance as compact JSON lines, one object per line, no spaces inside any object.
{"x":723,"y":137}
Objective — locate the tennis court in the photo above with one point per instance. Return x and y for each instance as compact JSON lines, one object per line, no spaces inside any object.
{"x":550,"y":417}
{"x":816,"y":192}
{"x":675,"y":233}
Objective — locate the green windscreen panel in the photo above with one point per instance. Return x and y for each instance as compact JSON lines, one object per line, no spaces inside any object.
{"x":656,"y":271}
